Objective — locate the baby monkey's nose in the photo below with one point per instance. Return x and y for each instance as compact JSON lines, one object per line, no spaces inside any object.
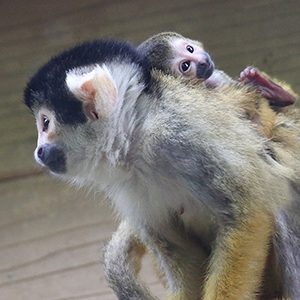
{"x":205,"y":67}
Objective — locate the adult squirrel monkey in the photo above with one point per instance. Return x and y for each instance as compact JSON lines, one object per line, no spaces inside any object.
{"x":191,"y":177}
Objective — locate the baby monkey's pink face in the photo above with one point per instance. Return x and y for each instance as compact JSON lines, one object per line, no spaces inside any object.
{"x":190,"y":60}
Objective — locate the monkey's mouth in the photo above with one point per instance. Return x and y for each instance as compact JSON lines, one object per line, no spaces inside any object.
{"x":205,"y":70}
{"x":52,"y":157}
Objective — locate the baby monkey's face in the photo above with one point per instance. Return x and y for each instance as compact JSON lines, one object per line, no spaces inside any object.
{"x":190,"y":60}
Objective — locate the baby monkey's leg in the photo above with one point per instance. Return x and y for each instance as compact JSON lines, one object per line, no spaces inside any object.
{"x":276,"y":95}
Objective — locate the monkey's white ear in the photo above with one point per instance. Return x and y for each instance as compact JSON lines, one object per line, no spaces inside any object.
{"x":96,"y":89}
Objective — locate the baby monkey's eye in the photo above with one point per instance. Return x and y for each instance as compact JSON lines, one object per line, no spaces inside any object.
{"x":190,"y":48}
{"x":185,"y":66}
{"x":45,"y":124}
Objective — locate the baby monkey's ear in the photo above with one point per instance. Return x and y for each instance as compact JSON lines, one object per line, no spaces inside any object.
{"x":96,"y":89}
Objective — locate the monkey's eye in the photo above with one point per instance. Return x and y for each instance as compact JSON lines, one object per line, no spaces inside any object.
{"x":185,"y":66}
{"x":190,"y":48}
{"x":45,"y":124}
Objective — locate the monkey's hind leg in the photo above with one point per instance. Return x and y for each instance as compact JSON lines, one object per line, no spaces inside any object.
{"x":239,"y":258}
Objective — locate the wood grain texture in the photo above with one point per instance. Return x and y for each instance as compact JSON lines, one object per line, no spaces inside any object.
{"x":51,"y":235}
{"x":51,"y":242}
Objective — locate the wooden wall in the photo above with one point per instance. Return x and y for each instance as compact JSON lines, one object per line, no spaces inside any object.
{"x":50,"y":235}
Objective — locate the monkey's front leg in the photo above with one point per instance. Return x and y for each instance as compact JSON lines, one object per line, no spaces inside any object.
{"x":122,"y":261}
{"x":239,"y":258}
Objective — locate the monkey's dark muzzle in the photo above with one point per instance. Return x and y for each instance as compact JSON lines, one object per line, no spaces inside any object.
{"x":52,"y":157}
{"x":205,"y":67}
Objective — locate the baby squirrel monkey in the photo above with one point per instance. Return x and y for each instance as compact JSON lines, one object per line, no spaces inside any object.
{"x":178,"y":56}
{"x":174,"y":54}
{"x":192,"y":179}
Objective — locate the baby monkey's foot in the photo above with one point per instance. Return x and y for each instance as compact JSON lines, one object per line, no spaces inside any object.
{"x":276,"y":95}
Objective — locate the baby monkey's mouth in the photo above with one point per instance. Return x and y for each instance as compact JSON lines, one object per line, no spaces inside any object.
{"x":205,"y":69}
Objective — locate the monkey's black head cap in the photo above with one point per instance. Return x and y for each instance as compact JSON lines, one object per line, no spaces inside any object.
{"x":48,"y":88}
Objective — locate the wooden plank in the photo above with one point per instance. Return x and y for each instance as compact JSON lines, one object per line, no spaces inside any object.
{"x":51,"y":242}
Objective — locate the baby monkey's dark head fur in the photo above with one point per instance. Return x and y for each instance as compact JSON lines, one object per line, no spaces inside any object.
{"x":176,"y":55}
{"x":74,"y":94}
{"x":158,"y":51}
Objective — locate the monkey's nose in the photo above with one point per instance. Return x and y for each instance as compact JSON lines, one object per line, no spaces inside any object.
{"x":52,"y":157}
{"x":205,"y":67}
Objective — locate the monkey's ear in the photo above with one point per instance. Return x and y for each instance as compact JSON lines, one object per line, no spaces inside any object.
{"x":96,"y":89}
